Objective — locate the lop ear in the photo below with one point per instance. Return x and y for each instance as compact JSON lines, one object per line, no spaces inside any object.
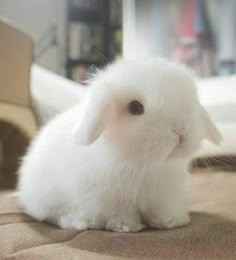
{"x":211,"y":131}
{"x":98,"y":111}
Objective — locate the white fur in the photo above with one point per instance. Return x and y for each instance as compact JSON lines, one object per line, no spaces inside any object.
{"x":97,"y":166}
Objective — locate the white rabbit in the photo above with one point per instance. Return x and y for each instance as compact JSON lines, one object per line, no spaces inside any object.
{"x":119,"y":160}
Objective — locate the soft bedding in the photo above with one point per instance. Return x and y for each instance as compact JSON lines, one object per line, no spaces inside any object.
{"x":211,"y":234}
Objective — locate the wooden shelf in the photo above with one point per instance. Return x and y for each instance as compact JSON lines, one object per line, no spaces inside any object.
{"x":76,"y":62}
{"x":85,"y":15}
{"x":115,"y":27}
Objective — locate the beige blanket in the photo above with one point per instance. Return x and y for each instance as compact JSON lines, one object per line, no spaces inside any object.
{"x":211,"y":234}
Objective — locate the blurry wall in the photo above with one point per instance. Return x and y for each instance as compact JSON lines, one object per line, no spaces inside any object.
{"x":152,"y":24}
{"x":35,"y":17}
{"x":196,"y":32}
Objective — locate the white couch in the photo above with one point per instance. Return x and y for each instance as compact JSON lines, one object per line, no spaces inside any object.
{"x":52,"y":93}
{"x":218,"y":95}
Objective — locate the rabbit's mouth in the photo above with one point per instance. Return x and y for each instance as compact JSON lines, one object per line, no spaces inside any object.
{"x":178,"y":147}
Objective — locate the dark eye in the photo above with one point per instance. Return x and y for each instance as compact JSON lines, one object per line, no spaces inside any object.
{"x":135,"y":108}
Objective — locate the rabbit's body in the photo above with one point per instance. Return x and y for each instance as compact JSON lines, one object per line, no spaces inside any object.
{"x":123,"y":180}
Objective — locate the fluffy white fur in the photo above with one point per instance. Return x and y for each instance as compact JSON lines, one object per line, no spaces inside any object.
{"x":96,"y":166}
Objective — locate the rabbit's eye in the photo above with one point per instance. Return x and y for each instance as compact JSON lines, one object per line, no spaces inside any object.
{"x":135,"y":108}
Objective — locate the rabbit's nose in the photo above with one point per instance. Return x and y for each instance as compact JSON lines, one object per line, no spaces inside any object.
{"x":180,"y":135}
{"x":180,"y":129}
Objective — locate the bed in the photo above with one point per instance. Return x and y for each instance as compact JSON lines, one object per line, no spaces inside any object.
{"x":211,"y":234}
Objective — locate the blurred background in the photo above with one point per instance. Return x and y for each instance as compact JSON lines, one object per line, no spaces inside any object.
{"x":72,"y":37}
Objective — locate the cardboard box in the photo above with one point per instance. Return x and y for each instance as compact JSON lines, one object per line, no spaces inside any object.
{"x":16,"y":55}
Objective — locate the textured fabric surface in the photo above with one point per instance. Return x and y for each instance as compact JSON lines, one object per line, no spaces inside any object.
{"x":211,"y":234}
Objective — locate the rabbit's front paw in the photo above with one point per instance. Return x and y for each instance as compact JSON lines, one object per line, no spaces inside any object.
{"x":124,"y":226}
{"x":71,"y":222}
{"x":171,"y":222}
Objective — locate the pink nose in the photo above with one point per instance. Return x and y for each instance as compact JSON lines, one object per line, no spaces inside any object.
{"x":180,"y":129}
{"x":180,"y":134}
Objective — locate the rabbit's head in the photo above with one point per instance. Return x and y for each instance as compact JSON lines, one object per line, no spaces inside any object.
{"x":146,"y":108}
